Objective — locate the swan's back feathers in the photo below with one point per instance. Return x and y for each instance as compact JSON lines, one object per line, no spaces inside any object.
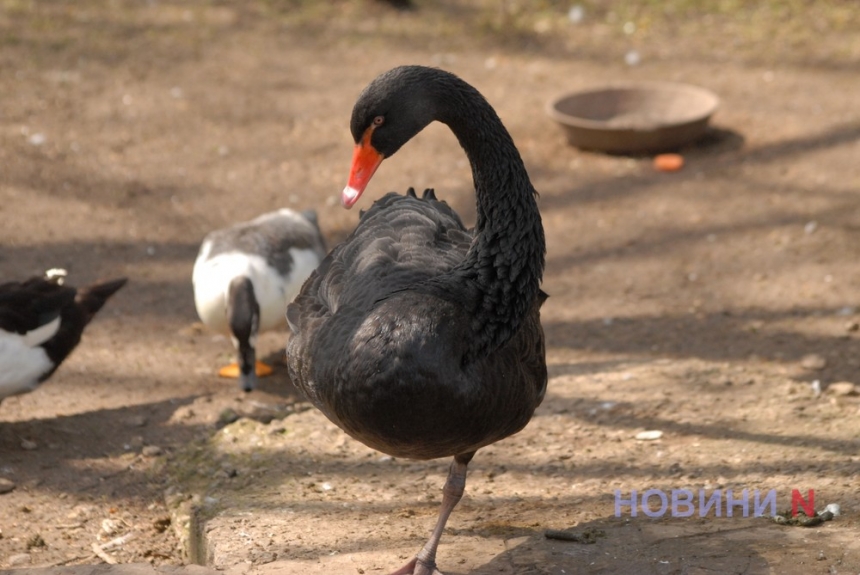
{"x":400,"y":241}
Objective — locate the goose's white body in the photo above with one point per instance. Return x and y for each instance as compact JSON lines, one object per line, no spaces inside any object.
{"x":212,"y":277}
{"x":273,"y":288}
{"x":23,"y":361}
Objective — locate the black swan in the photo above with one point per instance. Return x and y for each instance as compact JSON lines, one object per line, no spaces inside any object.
{"x":41,"y":322}
{"x":416,"y":336}
{"x":247,"y":273}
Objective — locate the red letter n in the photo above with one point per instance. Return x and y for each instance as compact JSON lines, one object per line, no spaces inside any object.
{"x":808,"y":505}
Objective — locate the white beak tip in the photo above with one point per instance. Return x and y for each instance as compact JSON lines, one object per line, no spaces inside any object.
{"x":349,"y":197}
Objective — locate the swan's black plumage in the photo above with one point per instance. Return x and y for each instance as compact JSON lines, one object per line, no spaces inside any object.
{"x":416,"y":336}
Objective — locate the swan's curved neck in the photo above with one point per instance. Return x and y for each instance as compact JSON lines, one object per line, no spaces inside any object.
{"x":503,"y":269}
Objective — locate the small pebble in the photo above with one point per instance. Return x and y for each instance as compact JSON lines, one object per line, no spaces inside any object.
{"x":79,"y":512}
{"x":810,"y":227}
{"x":6,"y":485}
{"x":834,"y":509}
{"x":151,"y":451}
{"x":816,"y":387}
{"x":632,"y":58}
{"x":110,"y":526}
{"x":841,"y":388}
{"x":813,"y":362}
{"x":28,"y":445}
{"x":137,"y":421}
{"x":649,"y":435}
{"x":576,"y":14}
{"x":587,"y":536}
{"x":37,"y":139}
{"x":19,"y":559}
{"x":162,"y":523}
{"x":227,"y":416}
{"x":186,"y":412}
{"x":561,"y":535}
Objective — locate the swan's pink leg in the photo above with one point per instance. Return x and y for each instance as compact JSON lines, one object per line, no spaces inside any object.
{"x":425,"y":562}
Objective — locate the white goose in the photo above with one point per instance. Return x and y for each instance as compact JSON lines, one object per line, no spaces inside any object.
{"x":246,"y":274}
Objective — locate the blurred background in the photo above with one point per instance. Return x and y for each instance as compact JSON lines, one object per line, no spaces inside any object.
{"x":705,"y":302}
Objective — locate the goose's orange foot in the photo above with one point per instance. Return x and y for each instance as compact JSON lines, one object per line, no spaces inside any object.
{"x":232,"y":370}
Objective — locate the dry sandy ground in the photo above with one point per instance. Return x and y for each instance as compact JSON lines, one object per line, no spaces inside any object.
{"x":701,"y":304}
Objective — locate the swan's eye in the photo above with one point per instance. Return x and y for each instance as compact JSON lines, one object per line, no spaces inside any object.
{"x":378,"y":121}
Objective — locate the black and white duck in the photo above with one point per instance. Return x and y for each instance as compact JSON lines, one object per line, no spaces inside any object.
{"x":246,"y":274}
{"x":41,"y":322}
{"x":417,"y":336}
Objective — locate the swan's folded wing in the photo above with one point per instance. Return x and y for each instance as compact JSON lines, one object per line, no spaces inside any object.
{"x":399,"y":242}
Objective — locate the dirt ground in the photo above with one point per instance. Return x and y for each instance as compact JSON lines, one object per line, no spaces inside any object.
{"x":703,"y":304}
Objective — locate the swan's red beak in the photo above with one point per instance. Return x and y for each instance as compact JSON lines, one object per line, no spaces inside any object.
{"x":365,"y":160}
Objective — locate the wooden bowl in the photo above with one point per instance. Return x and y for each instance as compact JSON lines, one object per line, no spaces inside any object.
{"x":640,"y":118}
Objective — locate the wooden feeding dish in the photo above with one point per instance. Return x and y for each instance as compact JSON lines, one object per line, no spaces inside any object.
{"x":637,"y":119}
